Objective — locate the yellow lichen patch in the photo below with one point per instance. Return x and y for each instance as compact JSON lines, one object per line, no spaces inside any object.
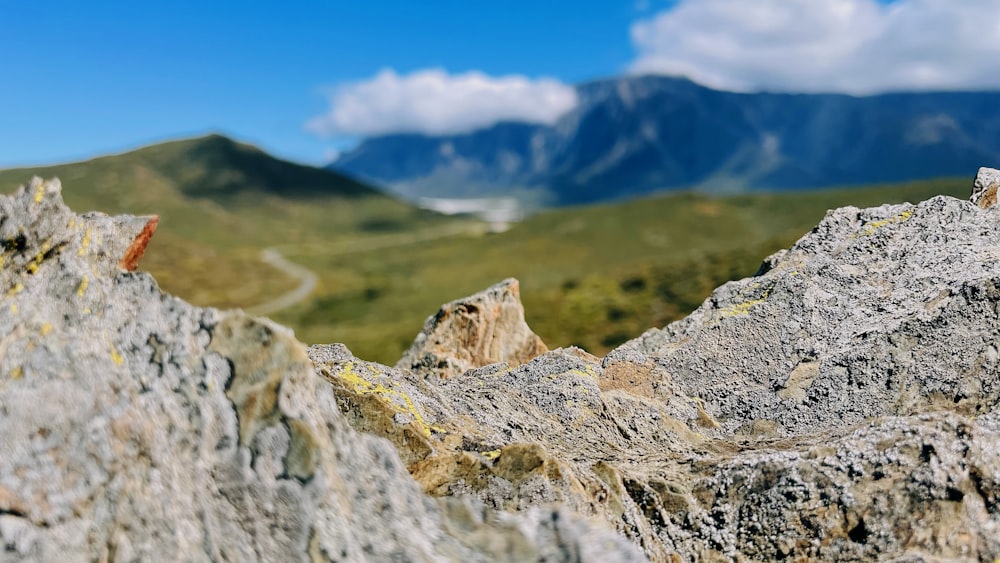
{"x":744,"y":307}
{"x":586,"y":372}
{"x":704,"y":419}
{"x":438,"y":430}
{"x":872,"y":227}
{"x":46,"y":329}
{"x":37,"y":260}
{"x":84,"y":243}
{"x":398,"y":400}
{"x":490,"y":455}
{"x":18,"y":288}
{"x":40,"y":192}
{"x":83,"y":286}
{"x":741,"y":308}
{"x":13,"y":308}
{"x":18,"y":373}
{"x":115,"y":356}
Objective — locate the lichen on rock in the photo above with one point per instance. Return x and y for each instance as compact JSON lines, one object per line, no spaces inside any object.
{"x":138,"y":427}
{"x":839,"y":405}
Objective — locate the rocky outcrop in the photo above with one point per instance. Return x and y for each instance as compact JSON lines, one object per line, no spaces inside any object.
{"x":839,"y":405}
{"x":137,"y":427}
{"x":483,"y":329}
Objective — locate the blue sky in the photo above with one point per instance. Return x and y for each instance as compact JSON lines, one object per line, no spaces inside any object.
{"x":302,"y":79}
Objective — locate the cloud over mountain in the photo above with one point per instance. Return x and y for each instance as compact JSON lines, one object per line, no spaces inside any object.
{"x":432,"y":101}
{"x":852,"y":46}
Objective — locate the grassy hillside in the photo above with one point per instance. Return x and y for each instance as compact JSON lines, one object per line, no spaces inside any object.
{"x":221,"y":202}
{"x":590,"y":276}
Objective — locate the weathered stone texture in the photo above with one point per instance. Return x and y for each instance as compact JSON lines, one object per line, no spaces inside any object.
{"x":841,"y":405}
{"x":482,"y":329}
{"x":134,"y":426}
{"x":984,"y":189}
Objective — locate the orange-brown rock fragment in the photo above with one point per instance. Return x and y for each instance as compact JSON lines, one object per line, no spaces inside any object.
{"x":130,"y":261}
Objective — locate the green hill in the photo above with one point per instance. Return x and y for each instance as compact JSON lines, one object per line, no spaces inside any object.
{"x":220,"y":202}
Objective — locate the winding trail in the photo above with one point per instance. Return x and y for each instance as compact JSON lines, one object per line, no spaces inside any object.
{"x":308,"y":280}
{"x":307,"y":283}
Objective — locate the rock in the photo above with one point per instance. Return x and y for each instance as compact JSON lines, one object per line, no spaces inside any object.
{"x":876,"y":312}
{"x":138,"y":427}
{"x":528,"y":436}
{"x":482,"y":329}
{"x":984,"y":190}
{"x":839,"y":405}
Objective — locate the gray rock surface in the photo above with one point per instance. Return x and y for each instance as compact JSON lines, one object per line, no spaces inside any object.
{"x":134,"y":426}
{"x":883,"y":311}
{"x":839,"y":405}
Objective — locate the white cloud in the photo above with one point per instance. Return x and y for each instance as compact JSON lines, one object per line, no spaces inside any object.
{"x":435,"y":102}
{"x":855,"y":46}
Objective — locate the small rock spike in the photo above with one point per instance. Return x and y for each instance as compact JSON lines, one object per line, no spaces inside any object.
{"x":138,"y":247}
{"x":984,"y":189}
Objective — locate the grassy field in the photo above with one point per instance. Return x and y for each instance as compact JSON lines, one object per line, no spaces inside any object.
{"x":590,"y":276}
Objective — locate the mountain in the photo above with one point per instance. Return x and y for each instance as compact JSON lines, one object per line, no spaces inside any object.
{"x":637,"y":135}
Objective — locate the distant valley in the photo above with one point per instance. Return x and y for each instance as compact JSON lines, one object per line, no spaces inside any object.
{"x":639,"y":135}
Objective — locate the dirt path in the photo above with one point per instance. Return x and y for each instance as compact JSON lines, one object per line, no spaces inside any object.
{"x":308,"y":280}
{"x":307,"y":283}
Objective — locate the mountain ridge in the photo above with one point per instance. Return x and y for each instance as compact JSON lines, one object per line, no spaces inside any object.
{"x":638,"y":135}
